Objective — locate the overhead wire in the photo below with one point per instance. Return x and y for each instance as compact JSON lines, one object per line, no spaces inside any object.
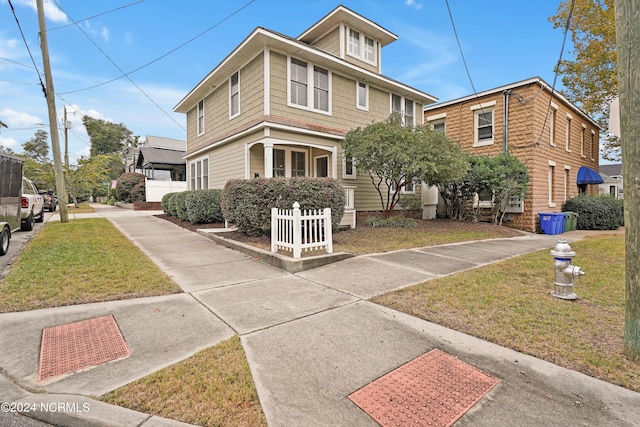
{"x":120,"y":69}
{"x":557,"y":69}
{"x":44,"y":89}
{"x":167,"y":53}
{"x":95,"y":16}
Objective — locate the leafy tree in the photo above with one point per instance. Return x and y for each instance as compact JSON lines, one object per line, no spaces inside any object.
{"x":7,"y":150}
{"x":107,"y":137}
{"x":501,"y":177}
{"x":590,"y":78}
{"x":37,"y":147}
{"x":42,"y":174}
{"x":90,"y":173}
{"x":394,"y":155}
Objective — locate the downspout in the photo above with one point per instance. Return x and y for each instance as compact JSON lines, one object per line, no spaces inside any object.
{"x":505,"y":122}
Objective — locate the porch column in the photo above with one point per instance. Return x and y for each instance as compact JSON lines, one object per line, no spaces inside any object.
{"x":334,"y":162}
{"x":268,"y":159}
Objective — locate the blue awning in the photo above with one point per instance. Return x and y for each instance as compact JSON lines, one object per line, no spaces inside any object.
{"x":588,"y":176}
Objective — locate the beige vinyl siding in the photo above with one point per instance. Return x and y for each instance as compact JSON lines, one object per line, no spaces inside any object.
{"x":225,"y":163}
{"x":330,"y":42}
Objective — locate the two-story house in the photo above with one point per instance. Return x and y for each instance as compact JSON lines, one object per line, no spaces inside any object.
{"x":528,"y":119}
{"x":280,"y":106}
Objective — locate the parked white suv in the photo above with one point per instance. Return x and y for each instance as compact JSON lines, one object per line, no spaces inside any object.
{"x":32,"y":205}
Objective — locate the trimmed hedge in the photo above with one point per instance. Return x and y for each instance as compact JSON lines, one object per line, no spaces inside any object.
{"x":130,"y":187}
{"x":247,"y":203}
{"x":597,"y":212}
{"x":203,"y":206}
{"x":167,"y":204}
{"x":180,"y":205}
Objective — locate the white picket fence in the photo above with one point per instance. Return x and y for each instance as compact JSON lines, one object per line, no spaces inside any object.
{"x":296,"y":231}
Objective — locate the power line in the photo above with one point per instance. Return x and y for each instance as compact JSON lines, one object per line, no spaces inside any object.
{"x":95,"y":16}
{"x":557,"y":69}
{"x":120,"y":69}
{"x":460,"y":48}
{"x":169,"y":52}
{"x":44,"y":89}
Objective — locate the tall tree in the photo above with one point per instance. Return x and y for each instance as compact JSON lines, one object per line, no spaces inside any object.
{"x":88,"y":174}
{"x":590,"y":77}
{"x":395,"y":155}
{"x":107,"y":137}
{"x":37,"y":148}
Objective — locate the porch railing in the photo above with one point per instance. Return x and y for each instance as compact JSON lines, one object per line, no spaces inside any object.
{"x":295,"y":231}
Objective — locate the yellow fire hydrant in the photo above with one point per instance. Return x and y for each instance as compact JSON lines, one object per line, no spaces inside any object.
{"x":566,"y":274}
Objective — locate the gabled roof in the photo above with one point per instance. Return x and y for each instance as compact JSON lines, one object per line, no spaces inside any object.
{"x":536,"y":79}
{"x":167,"y":143}
{"x":611,"y":170}
{"x":160,"y":156}
{"x":262,"y":38}
{"x":340,"y":15}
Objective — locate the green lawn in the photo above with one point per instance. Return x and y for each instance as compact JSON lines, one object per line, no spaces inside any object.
{"x":509,"y":303}
{"x":82,"y":261}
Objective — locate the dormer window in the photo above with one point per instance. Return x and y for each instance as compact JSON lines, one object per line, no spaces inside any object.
{"x":361,"y":46}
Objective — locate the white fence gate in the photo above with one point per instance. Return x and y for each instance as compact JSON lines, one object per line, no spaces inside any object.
{"x":295,"y":230}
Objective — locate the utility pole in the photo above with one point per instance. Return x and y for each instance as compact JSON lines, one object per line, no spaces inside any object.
{"x":67,"y":126}
{"x":53,"y":120}
{"x":628,"y":45}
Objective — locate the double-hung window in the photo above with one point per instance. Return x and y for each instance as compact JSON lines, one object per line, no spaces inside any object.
{"x":361,"y":46}
{"x":288,"y":162}
{"x":483,"y":128}
{"x":200,"y":113}
{"x":404,"y":107}
{"x":234,"y":95}
{"x":301,"y":74}
{"x":200,"y":174}
{"x":362,"y":91}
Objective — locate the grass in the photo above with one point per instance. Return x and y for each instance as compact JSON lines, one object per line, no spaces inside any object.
{"x":509,"y":303}
{"x":82,"y":261}
{"x":82,"y":208}
{"x":366,"y":240}
{"x":212,"y":388}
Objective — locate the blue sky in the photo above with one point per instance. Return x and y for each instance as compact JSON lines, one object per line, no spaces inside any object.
{"x":503,"y":41}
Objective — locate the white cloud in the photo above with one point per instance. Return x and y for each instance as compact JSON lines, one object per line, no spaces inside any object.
{"x":412,"y":3}
{"x":13,"y":118}
{"x":51,"y":11}
{"x":8,"y":142}
{"x":105,"y":34}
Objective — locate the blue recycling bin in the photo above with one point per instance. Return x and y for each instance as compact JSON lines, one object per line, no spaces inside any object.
{"x":552,"y":222}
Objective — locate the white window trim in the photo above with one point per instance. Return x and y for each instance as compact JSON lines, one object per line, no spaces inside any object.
{"x":567,"y":136}
{"x":583,"y":133}
{"x":437,"y":119}
{"x":402,"y":108}
{"x":476,"y":113}
{"x":551,"y":182}
{"x":345,"y":175}
{"x":231,"y":116}
{"x":553,"y":115}
{"x":315,"y":165}
{"x":191,"y":177}
{"x":361,"y":46}
{"x":310,"y":87}
{"x":593,"y":140}
{"x":366,"y":96}
{"x":566,"y":177}
{"x":287,"y":159}
{"x":200,"y":129}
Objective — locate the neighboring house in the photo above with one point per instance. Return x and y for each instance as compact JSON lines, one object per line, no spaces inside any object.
{"x":161,"y":161}
{"x":280,"y":106}
{"x":555,"y":139}
{"x":612,"y":176}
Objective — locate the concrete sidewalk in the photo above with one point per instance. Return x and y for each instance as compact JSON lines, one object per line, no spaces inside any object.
{"x":311,"y":338}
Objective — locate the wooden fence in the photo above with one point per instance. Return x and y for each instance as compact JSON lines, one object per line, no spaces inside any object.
{"x":296,"y":231}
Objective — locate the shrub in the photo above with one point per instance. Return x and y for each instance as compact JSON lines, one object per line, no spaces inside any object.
{"x":180,"y":205}
{"x":393,"y":221}
{"x":167,"y":204}
{"x":597,"y":212}
{"x":130,"y":187}
{"x":203,"y":206}
{"x":247,"y":203}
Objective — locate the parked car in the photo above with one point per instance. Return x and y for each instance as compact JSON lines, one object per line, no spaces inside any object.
{"x":32,"y":205}
{"x":10,"y":198}
{"x":50,"y":200}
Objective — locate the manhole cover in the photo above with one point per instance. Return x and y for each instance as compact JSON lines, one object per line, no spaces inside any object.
{"x":74,"y":346}
{"x":435,"y":389}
